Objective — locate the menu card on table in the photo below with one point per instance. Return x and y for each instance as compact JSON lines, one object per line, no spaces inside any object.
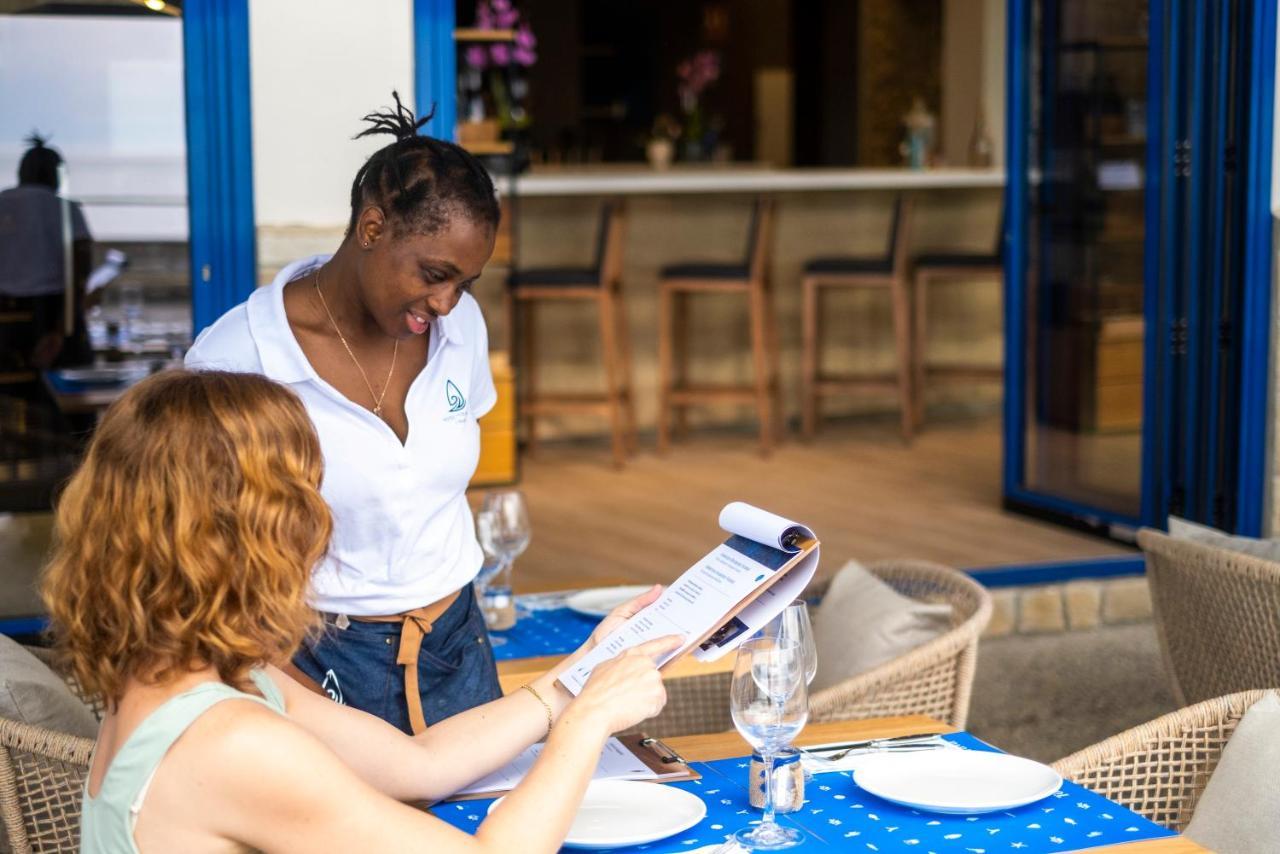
{"x":725,"y":597}
{"x":628,"y":757}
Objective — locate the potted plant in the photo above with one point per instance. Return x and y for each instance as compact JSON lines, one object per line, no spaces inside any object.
{"x":492,"y":85}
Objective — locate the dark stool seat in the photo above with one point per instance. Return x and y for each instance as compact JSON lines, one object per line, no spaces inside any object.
{"x":849,"y":264}
{"x":957,"y":259}
{"x":568,"y":277}
{"x":705,"y":270}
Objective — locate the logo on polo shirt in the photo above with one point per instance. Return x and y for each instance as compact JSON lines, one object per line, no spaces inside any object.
{"x":457,"y":402}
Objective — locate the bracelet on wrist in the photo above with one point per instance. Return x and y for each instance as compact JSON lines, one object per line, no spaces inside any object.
{"x":545,"y":705}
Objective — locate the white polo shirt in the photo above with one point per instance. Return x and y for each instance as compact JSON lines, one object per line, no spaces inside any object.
{"x":403,"y":536}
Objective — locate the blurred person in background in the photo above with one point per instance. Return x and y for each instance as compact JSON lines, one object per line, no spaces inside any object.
{"x":33,"y":284}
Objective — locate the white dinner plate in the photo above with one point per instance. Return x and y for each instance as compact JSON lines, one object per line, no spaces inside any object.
{"x":614,"y":813}
{"x":957,"y":781}
{"x":599,"y":601}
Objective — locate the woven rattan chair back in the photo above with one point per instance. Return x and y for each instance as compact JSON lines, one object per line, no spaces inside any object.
{"x":935,"y":678}
{"x":42,"y":775}
{"x":1159,"y":769}
{"x":1217,"y":614}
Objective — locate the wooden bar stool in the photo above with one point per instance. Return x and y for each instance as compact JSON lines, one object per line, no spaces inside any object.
{"x":750,"y":277}
{"x":602,"y":284}
{"x":939,"y":268}
{"x":888,"y":272}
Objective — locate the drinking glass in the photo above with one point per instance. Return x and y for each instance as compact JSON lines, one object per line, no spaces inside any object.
{"x":793,"y":624}
{"x":502,"y":526}
{"x":769,"y":701}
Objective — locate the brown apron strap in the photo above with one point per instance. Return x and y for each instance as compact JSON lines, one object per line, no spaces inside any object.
{"x":303,"y":679}
{"x":417,"y":625}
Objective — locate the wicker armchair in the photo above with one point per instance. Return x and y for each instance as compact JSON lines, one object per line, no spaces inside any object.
{"x":933,"y":679}
{"x":1159,"y":769}
{"x":1217,"y":614}
{"x":42,"y":775}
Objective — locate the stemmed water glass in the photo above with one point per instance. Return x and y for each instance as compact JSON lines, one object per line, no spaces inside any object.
{"x":793,"y":624}
{"x":769,"y":701}
{"x":502,"y":526}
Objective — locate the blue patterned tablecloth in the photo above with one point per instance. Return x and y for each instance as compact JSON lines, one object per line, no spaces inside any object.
{"x":553,"y":632}
{"x":838,"y":816}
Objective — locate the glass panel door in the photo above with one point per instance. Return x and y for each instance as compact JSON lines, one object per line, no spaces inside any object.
{"x":1082,"y":295}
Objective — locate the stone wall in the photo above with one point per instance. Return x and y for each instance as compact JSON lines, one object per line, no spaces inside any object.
{"x":1070,"y":606}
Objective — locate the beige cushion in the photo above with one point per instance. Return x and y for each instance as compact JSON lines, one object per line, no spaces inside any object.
{"x":32,"y":693}
{"x":1239,"y":811}
{"x":1195,"y":532}
{"x":862,"y":622}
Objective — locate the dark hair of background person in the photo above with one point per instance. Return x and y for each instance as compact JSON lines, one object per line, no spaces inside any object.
{"x":418,"y":181}
{"x":40,"y":164}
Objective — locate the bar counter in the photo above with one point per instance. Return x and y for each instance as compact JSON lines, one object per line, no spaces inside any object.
{"x":701,"y":212}
{"x":738,"y":178}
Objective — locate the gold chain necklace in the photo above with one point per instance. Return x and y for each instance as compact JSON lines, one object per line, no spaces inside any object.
{"x":377,"y":398}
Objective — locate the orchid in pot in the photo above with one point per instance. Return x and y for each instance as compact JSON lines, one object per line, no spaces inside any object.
{"x":694,"y":75}
{"x":493,"y":84}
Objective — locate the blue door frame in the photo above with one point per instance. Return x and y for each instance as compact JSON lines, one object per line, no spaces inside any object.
{"x":223,"y":243}
{"x":435,"y":65}
{"x":1251,"y":421}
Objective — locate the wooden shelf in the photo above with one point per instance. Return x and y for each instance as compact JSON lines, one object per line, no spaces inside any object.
{"x":498,"y":147}
{"x":471,"y":34}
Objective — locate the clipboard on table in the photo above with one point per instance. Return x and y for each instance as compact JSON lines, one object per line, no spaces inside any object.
{"x":652,"y":753}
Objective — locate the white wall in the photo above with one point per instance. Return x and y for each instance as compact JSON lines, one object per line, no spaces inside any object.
{"x":316,"y":67}
{"x":109,"y":91}
{"x":973,"y":54}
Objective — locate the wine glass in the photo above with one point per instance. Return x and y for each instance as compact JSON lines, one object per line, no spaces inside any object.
{"x":793,"y":624}
{"x":489,"y":580}
{"x":769,"y":701}
{"x":502,"y":526}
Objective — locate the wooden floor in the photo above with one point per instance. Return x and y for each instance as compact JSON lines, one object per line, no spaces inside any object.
{"x":864,"y":493}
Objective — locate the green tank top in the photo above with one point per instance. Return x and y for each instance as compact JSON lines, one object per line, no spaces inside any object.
{"x":108,"y":819}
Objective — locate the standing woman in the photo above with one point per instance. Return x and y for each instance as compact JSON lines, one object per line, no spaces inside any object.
{"x":389,"y":352}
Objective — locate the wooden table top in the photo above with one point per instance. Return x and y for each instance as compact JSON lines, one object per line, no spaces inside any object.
{"x":724,"y":745}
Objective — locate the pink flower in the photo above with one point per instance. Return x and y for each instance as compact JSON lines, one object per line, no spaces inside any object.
{"x":525,"y":38}
{"x":484,"y":16}
{"x":476,"y":57}
{"x":501,"y":53}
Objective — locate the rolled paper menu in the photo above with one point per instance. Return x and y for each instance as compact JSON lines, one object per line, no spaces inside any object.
{"x":761,"y":526}
{"x":724,"y":598}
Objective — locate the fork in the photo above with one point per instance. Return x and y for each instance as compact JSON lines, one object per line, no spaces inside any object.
{"x":895,"y":745}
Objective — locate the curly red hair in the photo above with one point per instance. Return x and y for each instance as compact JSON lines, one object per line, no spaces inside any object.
{"x":187,"y":537}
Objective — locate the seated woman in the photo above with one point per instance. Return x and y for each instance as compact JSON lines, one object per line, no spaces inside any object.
{"x":179,"y":581}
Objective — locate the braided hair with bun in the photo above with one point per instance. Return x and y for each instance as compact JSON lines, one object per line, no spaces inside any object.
{"x":420,"y":182}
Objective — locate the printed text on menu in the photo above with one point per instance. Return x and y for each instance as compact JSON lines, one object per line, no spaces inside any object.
{"x":693,"y":605}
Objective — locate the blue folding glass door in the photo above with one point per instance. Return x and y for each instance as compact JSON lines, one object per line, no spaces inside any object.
{"x":1134,"y":136}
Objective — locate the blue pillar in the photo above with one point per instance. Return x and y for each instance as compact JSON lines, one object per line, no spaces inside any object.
{"x":224,"y":268}
{"x":434,"y":65}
